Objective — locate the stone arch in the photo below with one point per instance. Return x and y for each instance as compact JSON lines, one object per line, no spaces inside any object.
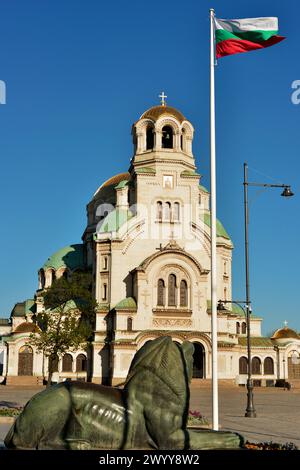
{"x":243,"y":365}
{"x":256,"y":365}
{"x":42,"y":278}
{"x":268,"y":366}
{"x":67,"y":362}
{"x":140,"y":134}
{"x":199,"y":371}
{"x":81,"y":363}
{"x":174,"y":125}
{"x":186,"y":137}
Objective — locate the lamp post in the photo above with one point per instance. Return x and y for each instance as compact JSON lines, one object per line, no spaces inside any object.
{"x":250,"y":410}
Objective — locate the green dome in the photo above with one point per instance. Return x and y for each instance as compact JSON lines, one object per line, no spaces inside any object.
{"x":114,"y":220}
{"x":71,"y":257}
{"x":126,"y":304}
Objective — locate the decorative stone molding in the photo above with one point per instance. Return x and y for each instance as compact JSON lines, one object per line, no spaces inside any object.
{"x":159,"y":322}
{"x":174,"y":312}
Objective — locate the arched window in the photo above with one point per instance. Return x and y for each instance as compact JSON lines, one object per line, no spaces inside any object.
{"x":167,"y":211}
{"x":42,"y":279}
{"x":105,"y":263}
{"x":159,"y":211}
{"x":53,"y":276}
{"x":176,"y":212}
{"x":129,"y":324}
{"x":149,"y":138}
{"x":225,"y":293}
{"x":167,"y":137}
{"x":53,"y":363}
{"x":65,"y":274}
{"x":81,"y":363}
{"x":225,"y":268}
{"x":238,"y":328}
{"x":172,"y":290}
{"x":67,"y":363}
{"x":243,"y":365}
{"x":104,"y":294}
{"x":244,"y":328}
{"x":256,"y":366}
{"x":183,"y":294}
{"x":199,"y":200}
{"x":161,"y":292}
{"x":182,"y":140}
{"x":268,"y":366}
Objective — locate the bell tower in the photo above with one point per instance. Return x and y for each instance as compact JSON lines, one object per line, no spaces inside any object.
{"x":162,"y":134}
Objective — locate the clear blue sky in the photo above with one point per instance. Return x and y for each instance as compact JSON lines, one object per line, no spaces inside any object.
{"x":78,"y":74}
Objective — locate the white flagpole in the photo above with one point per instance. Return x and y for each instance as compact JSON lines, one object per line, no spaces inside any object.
{"x":214,"y":337}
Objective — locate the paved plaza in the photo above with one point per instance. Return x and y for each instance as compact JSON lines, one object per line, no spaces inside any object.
{"x":278,"y":410}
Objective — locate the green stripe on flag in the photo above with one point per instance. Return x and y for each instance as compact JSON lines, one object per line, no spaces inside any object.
{"x":254,"y":36}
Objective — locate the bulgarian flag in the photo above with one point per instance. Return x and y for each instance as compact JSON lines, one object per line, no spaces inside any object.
{"x":244,"y":35}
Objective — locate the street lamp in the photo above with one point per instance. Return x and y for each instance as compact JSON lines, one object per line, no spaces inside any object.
{"x":250,"y":411}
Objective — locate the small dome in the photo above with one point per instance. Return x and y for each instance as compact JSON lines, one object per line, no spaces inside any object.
{"x":71,"y":257}
{"x":27,"y":327}
{"x":285,"y":333}
{"x":157,"y":111}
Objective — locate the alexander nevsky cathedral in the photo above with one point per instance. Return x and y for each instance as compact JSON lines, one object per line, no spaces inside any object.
{"x":147,"y":243}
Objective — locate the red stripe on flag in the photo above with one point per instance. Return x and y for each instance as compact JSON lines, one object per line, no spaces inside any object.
{"x":235,"y":46}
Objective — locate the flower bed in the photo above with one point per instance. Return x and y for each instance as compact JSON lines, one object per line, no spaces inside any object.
{"x":270,"y":446}
{"x":195,"y":418}
{"x":10,"y":412}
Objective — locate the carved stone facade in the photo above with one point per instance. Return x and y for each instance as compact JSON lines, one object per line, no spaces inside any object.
{"x":147,"y":243}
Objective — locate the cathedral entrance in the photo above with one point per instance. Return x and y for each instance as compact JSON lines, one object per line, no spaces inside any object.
{"x":25,"y":361}
{"x":199,"y":361}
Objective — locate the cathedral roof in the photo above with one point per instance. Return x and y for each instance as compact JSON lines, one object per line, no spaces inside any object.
{"x":156,"y":112}
{"x":111,"y":183}
{"x":71,"y":257}
{"x":285,"y":333}
{"x":256,"y":341}
{"x":23,"y":308}
{"x":221,"y":232}
{"x":114,"y":220}
{"x":126,"y":304}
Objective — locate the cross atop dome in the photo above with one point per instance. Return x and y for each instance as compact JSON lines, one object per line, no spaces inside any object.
{"x":163,"y":97}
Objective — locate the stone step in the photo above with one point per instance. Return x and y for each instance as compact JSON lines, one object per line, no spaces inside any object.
{"x":24,"y":380}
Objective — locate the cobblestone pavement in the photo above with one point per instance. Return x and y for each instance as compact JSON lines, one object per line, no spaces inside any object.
{"x":278,"y":410}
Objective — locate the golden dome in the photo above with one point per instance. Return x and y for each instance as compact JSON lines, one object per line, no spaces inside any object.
{"x":285,"y":333}
{"x":107,"y":188}
{"x":114,"y":180}
{"x":157,"y":111}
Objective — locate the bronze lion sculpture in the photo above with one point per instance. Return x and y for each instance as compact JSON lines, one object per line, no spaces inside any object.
{"x":150,"y":412}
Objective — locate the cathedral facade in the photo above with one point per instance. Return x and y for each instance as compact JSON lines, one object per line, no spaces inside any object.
{"x":147,"y":243}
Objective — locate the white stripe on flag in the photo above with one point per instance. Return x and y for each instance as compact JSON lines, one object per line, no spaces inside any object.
{"x":247,"y":24}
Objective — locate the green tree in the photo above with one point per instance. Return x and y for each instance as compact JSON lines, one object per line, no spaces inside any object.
{"x":68,"y":319}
